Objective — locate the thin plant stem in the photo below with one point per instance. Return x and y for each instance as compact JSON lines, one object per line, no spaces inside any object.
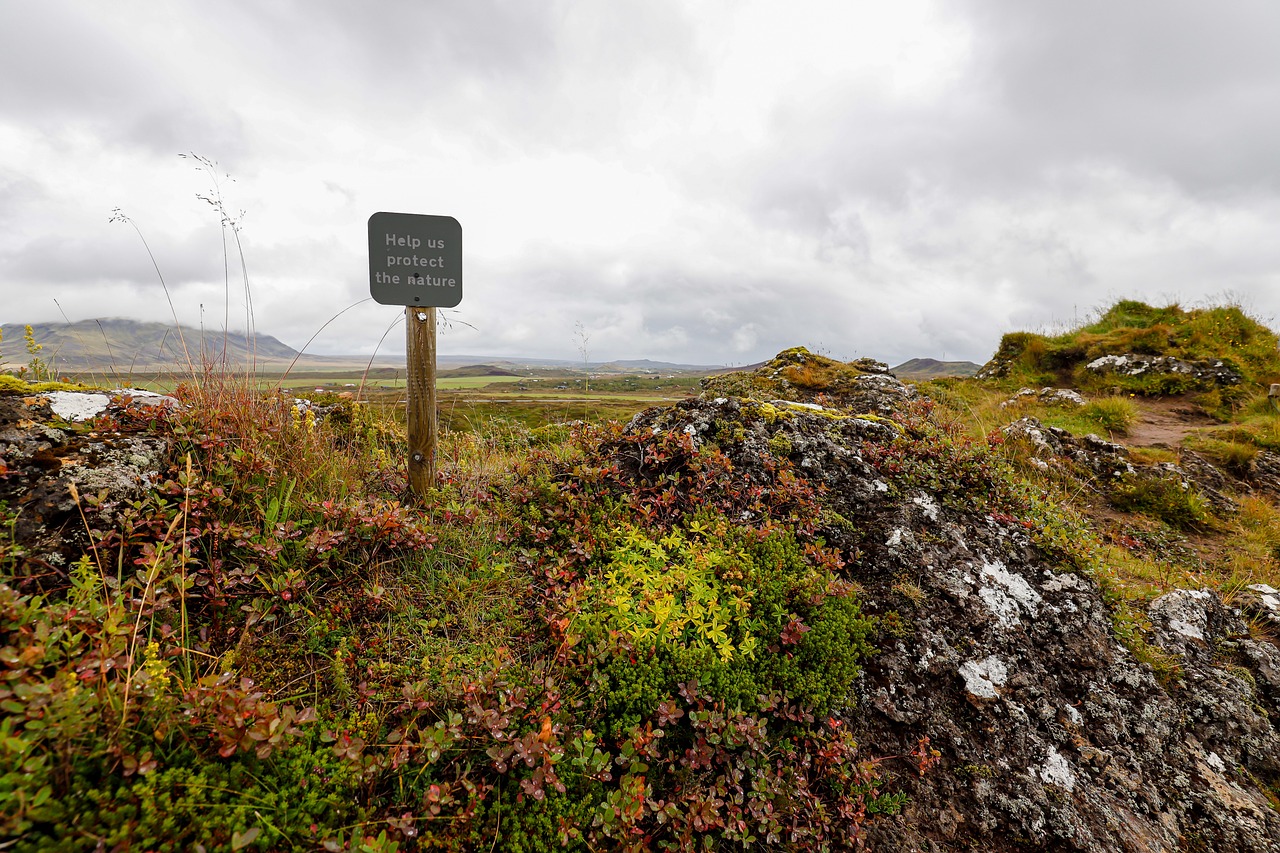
{"x":120,"y":216}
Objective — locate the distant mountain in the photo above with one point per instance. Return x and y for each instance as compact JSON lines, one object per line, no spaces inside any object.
{"x":475,"y":370}
{"x":633,"y":365}
{"x":131,"y":346}
{"x":923,"y":369}
{"x":630,"y":365}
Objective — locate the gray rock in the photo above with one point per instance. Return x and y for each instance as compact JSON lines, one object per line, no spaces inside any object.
{"x":41,"y":464}
{"x":1204,"y":374}
{"x":1047,"y":396}
{"x":1050,"y":735}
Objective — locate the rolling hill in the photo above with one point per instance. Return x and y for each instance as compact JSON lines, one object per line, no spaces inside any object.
{"x":922,"y":369}
{"x":130,"y":345}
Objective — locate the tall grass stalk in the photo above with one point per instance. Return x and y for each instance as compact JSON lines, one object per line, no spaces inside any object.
{"x":118,"y":215}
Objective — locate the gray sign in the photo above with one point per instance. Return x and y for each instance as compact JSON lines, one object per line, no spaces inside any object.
{"x":415,"y":259}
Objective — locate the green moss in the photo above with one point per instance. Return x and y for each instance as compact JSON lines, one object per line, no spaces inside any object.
{"x":780,"y":445}
{"x":730,"y":432}
{"x":1131,"y":627}
{"x":975,"y":771}
{"x":741,"y":616}
{"x":768,"y":411}
{"x":794,"y":374}
{"x":13,"y":383}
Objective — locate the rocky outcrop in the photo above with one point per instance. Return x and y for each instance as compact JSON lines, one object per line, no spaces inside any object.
{"x":1000,"y":703}
{"x":1264,"y":472}
{"x":1046,"y":396}
{"x":1103,"y":464}
{"x":1201,"y":374}
{"x":92,"y":441}
{"x":1106,"y":460}
{"x":798,"y":375}
{"x":1001,"y":699}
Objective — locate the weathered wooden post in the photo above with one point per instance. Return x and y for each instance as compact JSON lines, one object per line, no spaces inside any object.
{"x":420,"y":387}
{"x":1274,"y":396}
{"x":415,"y":260}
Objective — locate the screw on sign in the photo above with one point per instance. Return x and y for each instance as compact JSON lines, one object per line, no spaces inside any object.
{"x":415,"y":260}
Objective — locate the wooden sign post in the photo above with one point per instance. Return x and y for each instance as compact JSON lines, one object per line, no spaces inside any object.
{"x":420,"y":385}
{"x":416,"y":261}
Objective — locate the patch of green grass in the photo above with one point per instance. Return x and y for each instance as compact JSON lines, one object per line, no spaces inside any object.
{"x":477,"y":381}
{"x":1231,"y":455}
{"x":1108,"y":416}
{"x":1164,"y":498}
{"x":1112,"y":414}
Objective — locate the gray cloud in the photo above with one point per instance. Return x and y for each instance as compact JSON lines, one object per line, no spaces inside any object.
{"x":697,"y":182}
{"x":1179,"y":89}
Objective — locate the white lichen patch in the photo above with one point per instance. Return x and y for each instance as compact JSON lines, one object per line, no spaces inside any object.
{"x":881,"y":486}
{"x":927,"y":505}
{"x":1186,"y":629}
{"x":899,"y":536}
{"x":1215,"y":761}
{"x":1073,"y":715}
{"x":1004,"y":608}
{"x":983,"y":678}
{"x":1007,"y":594}
{"x":77,"y":405}
{"x":1184,"y":612}
{"x":1056,"y":771}
{"x":1058,"y":581}
{"x":1268,"y":595}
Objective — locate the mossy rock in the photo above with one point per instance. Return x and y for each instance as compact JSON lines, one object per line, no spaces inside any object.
{"x":1130,"y":328}
{"x":796,"y":375}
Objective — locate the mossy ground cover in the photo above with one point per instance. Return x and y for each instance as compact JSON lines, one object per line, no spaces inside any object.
{"x":276,"y":649}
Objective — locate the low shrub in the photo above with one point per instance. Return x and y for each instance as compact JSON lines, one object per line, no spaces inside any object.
{"x":1177,"y":504}
{"x":1112,"y":414}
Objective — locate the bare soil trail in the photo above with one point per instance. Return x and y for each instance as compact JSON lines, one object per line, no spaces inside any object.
{"x":1165,"y":421}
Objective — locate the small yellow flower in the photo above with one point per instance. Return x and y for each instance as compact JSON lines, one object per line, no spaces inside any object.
{"x":156,"y":667}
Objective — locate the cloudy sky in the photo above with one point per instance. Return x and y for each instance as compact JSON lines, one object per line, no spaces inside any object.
{"x":705,"y":181}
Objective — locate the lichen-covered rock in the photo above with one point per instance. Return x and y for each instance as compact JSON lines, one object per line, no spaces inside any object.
{"x":44,"y":452}
{"x":1000,"y":699}
{"x":1203,"y":374}
{"x":1102,"y":464}
{"x":1264,"y":472}
{"x":798,"y":375}
{"x":1105,"y":459}
{"x":1047,"y":396}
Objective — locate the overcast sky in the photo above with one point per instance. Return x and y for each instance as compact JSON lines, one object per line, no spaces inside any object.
{"x":703,"y":182}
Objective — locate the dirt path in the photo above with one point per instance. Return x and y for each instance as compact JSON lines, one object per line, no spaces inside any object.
{"x":1164,"y":422}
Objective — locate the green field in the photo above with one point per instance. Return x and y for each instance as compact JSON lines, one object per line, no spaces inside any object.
{"x":474,"y":403}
